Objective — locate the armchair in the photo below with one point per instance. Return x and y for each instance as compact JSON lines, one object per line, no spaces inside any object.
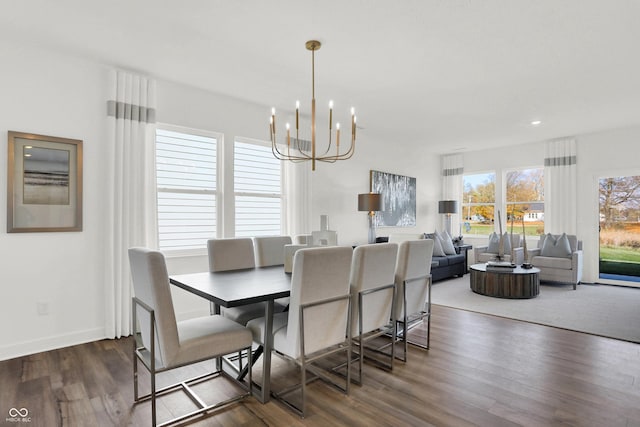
{"x":559,"y":258}
{"x":513,"y":250}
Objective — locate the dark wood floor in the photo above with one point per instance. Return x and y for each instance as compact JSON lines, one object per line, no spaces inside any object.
{"x":481,"y":370}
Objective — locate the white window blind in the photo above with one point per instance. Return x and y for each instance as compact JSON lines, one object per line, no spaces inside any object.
{"x":186,"y":164}
{"x":258,"y":190}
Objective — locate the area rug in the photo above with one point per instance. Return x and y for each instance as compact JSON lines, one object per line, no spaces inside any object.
{"x":609,"y":311}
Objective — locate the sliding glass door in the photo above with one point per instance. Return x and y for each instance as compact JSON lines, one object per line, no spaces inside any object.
{"x":619,"y":260}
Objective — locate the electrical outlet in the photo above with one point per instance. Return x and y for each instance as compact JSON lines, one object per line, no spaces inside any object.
{"x":43,"y":308}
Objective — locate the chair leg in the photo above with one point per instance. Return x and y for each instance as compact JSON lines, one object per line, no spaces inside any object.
{"x":303,"y":375}
{"x":254,"y":358}
{"x":360,"y":359}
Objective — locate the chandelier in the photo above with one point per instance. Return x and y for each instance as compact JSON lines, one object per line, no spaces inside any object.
{"x":298,"y":150}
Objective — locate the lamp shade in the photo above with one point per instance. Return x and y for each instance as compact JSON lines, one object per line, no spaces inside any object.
{"x":448,"y":206}
{"x":370,"y":202}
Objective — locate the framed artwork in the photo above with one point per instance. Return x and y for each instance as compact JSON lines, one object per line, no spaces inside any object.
{"x":399,"y":199}
{"x":44,"y":183}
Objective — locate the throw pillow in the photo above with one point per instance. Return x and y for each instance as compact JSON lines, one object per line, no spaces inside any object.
{"x":556,"y":246}
{"x":447,"y":243}
{"x":437,"y":246}
{"x":507,"y":243}
{"x":494,"y":243}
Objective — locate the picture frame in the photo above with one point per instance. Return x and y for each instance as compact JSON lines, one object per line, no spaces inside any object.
{"x":44,"y":183}
{"x":398,"y":196}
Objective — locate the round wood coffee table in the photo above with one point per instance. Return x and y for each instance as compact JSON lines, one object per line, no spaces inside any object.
{"x":505,"y":283}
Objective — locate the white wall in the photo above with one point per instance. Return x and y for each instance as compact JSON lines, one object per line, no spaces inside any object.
{"x":50,"y":94}
{"x":335,"y":188}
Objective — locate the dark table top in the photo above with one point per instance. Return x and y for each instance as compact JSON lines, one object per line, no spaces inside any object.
{"x":237,"y":287}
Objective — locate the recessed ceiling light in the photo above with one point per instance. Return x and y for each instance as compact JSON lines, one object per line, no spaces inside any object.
{"x":536,"y":122}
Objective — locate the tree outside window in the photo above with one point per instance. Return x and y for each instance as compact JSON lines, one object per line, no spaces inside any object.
{"x":478,"y":203}
{"x":525,"y":201}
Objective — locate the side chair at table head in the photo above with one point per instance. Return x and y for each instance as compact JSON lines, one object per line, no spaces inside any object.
{"x":165,"y":344}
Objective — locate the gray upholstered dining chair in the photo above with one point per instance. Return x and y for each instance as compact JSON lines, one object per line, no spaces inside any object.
{"x":269,"y":250}
{"x":318,"y":321}
{"x":236,"y":254}
{"x":230,"y":254}
{"x":372,"y":295}
{"x":413,"y":288}
{"x":165,"y":344}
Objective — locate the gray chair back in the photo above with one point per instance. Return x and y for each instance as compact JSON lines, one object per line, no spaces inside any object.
{"x":373,"y":266}
{"x":151,"y":286}
{"x":413,"y":268}
{"x":318,"y":274}
{"x":230,"y":254}
{"x":269,"y":250}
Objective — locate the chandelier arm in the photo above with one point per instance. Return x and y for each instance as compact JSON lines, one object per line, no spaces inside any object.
{"x":282,"y":156}
{"x":346,"y":155}
{"x":302,"y":153}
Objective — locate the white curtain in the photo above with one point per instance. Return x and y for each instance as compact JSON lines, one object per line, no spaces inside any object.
{"x":560,"y":186}
{"x":452,"y":170}
{"x":132,"y":195}
{"x":297,"y":190}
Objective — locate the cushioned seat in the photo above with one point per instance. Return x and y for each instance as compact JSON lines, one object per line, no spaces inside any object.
{"x":164,"y":343}
{"x":559,"y":258}
{"x":512,"y":249}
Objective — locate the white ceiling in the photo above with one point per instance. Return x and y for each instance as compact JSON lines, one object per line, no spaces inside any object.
{"x":448,"y":74}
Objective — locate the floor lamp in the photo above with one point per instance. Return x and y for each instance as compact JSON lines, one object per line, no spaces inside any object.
{"x":370,"y":202}
{"x":448,"y":207}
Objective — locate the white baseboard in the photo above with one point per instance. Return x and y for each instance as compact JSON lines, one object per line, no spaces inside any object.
{"x":50,"y":343}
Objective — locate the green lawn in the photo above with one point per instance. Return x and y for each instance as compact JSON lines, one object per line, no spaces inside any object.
{"x":619,"y":260}
{"x":486,"y":229}
{"x":616,"y":253}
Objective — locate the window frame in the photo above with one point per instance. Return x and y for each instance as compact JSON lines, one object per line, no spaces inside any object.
{"x":466,"y":205}
{"x":507,"y":203}
{"x":217,"y":193}
{"x":280,"y":195}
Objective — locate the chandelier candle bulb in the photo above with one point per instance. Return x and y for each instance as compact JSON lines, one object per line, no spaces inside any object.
{"x":288,"y":136}
{"x":337,"y":134}
{"x":354,"y":127}
{"x":330,"y":114}
{"x":297,"y":114}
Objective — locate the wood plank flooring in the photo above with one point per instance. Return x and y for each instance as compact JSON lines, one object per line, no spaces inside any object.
{"x":480,"y":371}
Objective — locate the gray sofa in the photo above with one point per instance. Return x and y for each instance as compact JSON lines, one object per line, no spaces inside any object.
{"x":442,"y":267}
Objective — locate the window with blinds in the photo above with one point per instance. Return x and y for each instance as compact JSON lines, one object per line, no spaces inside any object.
{"x":186,"y":164}
{"x":258,"y":190}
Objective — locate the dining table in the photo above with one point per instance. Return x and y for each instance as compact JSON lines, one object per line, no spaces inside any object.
{"x":235,"y":288}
